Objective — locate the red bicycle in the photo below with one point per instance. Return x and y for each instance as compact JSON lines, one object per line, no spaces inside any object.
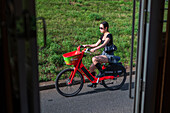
{"x":69,"y":82}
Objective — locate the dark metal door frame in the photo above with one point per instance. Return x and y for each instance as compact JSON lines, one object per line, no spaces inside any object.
{"x":20,"y":64}
{"x":148,"y":56}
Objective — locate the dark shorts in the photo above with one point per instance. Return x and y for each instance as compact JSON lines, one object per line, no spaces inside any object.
{"x":111,"y":57}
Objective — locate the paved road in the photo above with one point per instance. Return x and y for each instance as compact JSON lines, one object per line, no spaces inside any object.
{"x":89,"y":100}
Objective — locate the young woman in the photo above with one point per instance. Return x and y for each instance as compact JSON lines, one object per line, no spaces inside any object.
{"x":105,"y":40}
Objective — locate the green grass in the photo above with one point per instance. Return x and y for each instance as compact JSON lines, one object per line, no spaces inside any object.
{"x":165,"y":16}
{"x":75,"y":22}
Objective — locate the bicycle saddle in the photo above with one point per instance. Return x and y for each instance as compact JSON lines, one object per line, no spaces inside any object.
{"x":115,"y":59}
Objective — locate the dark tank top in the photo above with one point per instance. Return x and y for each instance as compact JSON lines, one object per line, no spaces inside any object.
{"x":108,"y":36}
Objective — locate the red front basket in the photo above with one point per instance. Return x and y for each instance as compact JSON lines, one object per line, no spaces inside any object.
{"x":71,"y":58}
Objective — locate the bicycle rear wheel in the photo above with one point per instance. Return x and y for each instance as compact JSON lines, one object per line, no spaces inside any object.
{"x":66,"y":89}
{"x":118,"y":81}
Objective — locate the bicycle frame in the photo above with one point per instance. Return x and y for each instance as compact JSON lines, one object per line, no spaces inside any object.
{"x":84,"y":71}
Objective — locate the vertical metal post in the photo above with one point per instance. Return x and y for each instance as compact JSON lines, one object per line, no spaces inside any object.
{"x":132,"y":44}
{"x":45,"y":32}
{"x":140,"y":4}
{"x":140,"y":53}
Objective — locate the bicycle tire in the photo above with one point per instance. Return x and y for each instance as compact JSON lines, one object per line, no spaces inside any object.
{"x":62,"y":80}
{"x":110,"y":83}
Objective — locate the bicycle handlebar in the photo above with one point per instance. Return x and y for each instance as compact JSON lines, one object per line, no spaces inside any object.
{"x":86,"y":50}
{"x":78,"y":48}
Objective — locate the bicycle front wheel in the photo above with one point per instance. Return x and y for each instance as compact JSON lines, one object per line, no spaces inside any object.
{"x":118,"y":81}
{"x":66,"y":89}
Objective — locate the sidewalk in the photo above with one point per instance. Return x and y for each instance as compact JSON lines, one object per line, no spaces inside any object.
{"x":51,"y":84}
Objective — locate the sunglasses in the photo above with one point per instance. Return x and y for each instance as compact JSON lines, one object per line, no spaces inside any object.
{"x":101,"y":28}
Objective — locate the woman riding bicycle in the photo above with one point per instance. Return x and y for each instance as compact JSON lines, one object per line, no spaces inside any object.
{"x":106,"y":40}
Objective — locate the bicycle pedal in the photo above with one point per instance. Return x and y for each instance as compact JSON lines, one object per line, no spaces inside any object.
{"x":93,"y":85}
{"x":101,"y":83}
{"x":114,"y":78}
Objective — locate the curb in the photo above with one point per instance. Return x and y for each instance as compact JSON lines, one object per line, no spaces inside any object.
{"x":51,"y":84}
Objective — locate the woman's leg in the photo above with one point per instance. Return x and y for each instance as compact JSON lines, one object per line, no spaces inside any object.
{"x":100,"y":59}
{"x":97,"y":60}
{"x":92,"y":68}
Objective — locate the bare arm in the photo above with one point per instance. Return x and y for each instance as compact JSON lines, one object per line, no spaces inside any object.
{"x":102,"y":45}
{"x":94,"y":45}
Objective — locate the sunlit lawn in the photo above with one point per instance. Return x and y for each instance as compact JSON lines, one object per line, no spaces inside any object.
{"x":75,"y":22}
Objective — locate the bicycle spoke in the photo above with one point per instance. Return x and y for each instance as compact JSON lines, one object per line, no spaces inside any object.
{"x":115,"y":83}
{"x":63,"y":85}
